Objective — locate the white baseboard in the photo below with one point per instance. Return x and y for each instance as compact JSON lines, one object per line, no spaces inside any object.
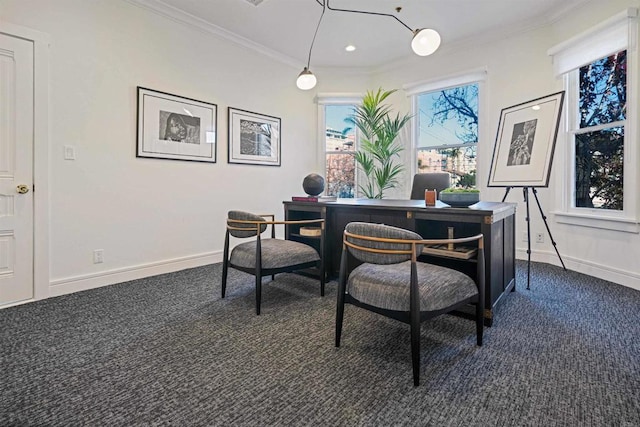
{"x":621,"y":277}
{"x":69,"y":285}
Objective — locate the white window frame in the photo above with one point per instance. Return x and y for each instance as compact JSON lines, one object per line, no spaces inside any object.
{"x":613,"y":35}
{"x":323,"y":100}
{"x":413,"y":90}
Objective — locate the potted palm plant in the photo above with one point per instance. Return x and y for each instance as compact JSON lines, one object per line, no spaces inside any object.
{"x":379,"y":149}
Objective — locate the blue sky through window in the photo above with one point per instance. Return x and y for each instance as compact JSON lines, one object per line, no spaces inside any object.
{"x":335,"y":115}
{"x":433,"y":133}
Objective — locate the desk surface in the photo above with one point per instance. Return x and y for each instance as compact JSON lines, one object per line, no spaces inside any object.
{"x":489,"y":208}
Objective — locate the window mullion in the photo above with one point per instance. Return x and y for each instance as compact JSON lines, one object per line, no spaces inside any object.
{"x":619,"y":123}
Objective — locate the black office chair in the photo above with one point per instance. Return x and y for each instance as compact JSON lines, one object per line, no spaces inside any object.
{"x":391,"y":282}
{"x":268,"y":257}
{"x":429,"y":181}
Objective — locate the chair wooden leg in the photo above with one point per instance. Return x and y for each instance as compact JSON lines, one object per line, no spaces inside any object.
{"x":224,"y":277}
{"x":342,"y":285}
{"x":415,"y":350}
{"x":258,"y":274}
{"x":225,"y":264}
{"x":479,"y":324}
{"x":339,"y":317}
{"x":414,"y":313}
{"x":258,"y":292}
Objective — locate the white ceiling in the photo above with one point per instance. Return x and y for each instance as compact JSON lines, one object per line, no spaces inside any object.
{"x":285,"y":28}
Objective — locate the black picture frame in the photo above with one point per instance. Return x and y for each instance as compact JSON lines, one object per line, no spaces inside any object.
{"x":174,"y":127}
{"x":254,"y":138}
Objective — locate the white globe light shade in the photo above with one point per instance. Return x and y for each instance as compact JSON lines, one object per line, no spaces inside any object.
{"x":425,"y":41}
{"x":306,"y":80}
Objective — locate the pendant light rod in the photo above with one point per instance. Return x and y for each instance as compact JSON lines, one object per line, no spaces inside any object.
{"x":425,"y":41}
{"x":306,"y":80}
{"x":365,"y":13}
{"x":316,"y":33}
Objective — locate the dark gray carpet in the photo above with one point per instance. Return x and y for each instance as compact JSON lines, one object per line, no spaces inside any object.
{"x":167,"y":351}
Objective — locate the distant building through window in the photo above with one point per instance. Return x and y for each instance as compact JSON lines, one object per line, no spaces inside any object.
{"x":340,"y":146}
{"x":447,"y":132}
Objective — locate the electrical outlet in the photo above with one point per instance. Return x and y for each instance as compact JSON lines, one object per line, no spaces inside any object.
{"x":539,"y":238}
{"x":98,"y":256}
{"x":524,"y":237}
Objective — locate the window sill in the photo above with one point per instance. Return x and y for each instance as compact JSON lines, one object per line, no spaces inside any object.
{"x":627,"y":225}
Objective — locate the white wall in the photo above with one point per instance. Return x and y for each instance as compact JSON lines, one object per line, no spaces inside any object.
{"x":151,"y":215}
{"x":519,"y":70}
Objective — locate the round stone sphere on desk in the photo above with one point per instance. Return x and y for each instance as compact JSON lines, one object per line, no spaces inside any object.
{"x":313,"y":184}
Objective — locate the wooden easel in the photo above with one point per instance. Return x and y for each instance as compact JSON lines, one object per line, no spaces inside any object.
{"x":525,"y":193}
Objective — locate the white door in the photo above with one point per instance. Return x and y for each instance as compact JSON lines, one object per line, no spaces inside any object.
{"x":16,"y":170}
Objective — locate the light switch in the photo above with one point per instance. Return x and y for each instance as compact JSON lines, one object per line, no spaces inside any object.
{"x":69,"y":152}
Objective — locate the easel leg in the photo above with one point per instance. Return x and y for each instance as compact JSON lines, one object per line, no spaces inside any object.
{"x":544,"y":218}
{"x":525,"y":193}
{"x":506,"y":193}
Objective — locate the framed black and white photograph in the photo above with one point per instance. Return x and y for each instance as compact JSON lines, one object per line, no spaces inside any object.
{"x":254,"y":138}
{"x":525,"y":143}
{"x":176,"y":128}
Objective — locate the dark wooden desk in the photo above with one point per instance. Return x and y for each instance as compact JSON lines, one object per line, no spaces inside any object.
{"x":495,"y":220}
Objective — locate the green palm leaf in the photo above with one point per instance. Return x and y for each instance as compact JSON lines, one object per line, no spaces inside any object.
{"x":378,"y":146}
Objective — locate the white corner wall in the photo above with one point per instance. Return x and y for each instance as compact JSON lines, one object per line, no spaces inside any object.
{"x":519,"y":69}
{"x":152,"y":216}
{"x":148,"y":215}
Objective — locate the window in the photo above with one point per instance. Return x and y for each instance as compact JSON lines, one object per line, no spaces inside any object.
{"x":598,"y":133}
{"x":338,"y":140}
{"x":446,"y":126}
{"x":340,"y":145}
{"x":600,"y":72}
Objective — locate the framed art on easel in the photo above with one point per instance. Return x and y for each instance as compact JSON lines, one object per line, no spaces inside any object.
{"x":525,"y":143}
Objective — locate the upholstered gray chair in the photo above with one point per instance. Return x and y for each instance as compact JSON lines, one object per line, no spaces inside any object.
{"x":268,"y":257}
{"x":391,"y":281}
{"x":429,"y":181}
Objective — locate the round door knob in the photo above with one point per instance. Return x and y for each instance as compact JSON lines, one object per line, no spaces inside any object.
{"x":22,"y":189}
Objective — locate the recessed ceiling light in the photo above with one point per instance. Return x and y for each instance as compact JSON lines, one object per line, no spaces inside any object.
{"x":535,"y":107}
{"x":350,"y":48}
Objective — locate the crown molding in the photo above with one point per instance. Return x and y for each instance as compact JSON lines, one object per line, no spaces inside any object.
{"x":561,"y":12}
{"x":160,"y":8}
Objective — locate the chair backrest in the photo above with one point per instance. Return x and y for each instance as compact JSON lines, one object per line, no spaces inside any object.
{"x":429,"y":181}
{"x":244,"y":216}
{"x":380,"y":231}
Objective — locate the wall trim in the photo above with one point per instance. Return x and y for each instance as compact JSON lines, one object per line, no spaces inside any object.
{"x":449,"y":81}
{"x":601,"y":271}
{"x":84,"y":282}
{"x":200,"y":24}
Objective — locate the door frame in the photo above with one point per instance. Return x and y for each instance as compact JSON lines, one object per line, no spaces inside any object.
{"x":41,"y":44}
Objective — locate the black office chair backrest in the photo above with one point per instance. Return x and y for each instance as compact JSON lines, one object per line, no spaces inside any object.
{"x":251,"y":227}
{"x":365,"y":235}
{"x":429,"y":181}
